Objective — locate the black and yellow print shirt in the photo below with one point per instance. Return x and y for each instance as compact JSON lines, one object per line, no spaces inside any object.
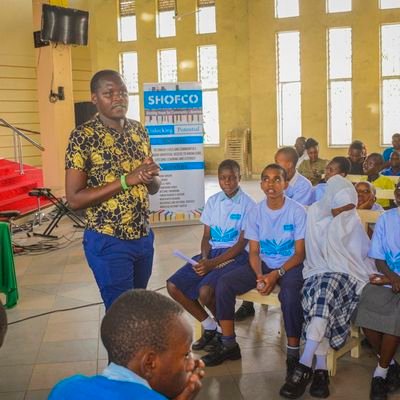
{"x":105,"y":154}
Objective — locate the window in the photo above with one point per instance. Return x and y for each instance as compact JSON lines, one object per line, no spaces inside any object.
{"x":165,"y":21}
{"x":390,"y":81}
{"x":288,"y":87}
{"x":333,"y":6}
{"x":383,"y":4}
{"x":286,"y":8}
{"x":167,"y":66}
{"x":339,"y":86}
{"x":127,"y":20}
{"x":129,"y":70}
{"x":205,"y":17}
{"x":208,"y":75}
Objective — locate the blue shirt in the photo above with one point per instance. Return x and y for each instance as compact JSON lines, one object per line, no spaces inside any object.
{"x":387,"y":153}
{"x":116,"y":383}
{"x":300,"y":189}
{"x":389,"y":172}
{"x":385,"y":244}
{"x":225,"y":216}
{"x":276,"y":230}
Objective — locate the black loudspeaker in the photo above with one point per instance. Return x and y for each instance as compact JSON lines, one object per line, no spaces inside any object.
{"x":84,"y":111}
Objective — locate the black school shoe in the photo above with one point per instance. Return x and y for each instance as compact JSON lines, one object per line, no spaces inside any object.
{"x":213,"y":343}
{"x":220,"y":354}
{"x":393,"y":377}
{"x":320,"y":384}
{"x":246,"y":310}
{"x":297,"y":382}
{"x":379,"y":389}
{"x":291,"y":363}
{"x":207,"y":337}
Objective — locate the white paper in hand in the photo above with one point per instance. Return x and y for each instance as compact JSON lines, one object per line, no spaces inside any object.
{"x":179,"y":254}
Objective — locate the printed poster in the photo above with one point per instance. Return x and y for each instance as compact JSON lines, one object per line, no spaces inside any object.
{"x":174,"y":120}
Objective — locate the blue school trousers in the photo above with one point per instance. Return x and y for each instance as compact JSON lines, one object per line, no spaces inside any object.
{"x":118,"y":265}
{"x":243,"y":279}
{"x":189,"y":282}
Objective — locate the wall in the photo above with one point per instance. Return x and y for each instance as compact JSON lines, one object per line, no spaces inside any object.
{"x":231,"y":40}
{"x":18,"y":86}
{"x":313,"y":22}
{"x":245,"y":40}
{"x":18,"y":78}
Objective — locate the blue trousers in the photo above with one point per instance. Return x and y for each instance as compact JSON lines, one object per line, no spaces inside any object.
{"x":243,"y":279}
{"x":118,"y":265}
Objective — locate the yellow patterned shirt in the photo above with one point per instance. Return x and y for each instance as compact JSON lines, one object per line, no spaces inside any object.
{"x":105,"y":154}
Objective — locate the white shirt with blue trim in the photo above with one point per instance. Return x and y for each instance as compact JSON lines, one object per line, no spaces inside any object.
{"x":385,"y":243}
{"x":300,"y":189}
{"x":225,"y":216}
{"x":276,"y":230}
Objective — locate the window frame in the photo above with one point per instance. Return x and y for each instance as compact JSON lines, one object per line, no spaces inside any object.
{"x":329,"y":90}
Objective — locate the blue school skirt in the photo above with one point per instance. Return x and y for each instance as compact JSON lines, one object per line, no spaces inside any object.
{"x":189,"y":283}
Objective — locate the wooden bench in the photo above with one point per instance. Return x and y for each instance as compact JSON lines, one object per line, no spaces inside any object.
{"x":353,"y":344}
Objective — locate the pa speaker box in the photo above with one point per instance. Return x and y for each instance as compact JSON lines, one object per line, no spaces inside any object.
{"x":84,"y":111}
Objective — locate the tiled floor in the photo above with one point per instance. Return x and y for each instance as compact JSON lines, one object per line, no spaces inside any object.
{"x":39,"y":352}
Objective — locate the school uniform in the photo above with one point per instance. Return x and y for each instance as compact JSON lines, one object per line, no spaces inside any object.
{"x":116,"y":382}
{"x":337,"y":266}
{"x":276,"y":231}
{"x":225,"y":216}
{"x":300,"y":190}
{"x":379,"y":307}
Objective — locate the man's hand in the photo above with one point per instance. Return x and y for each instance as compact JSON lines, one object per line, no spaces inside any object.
{"x":144,"y":173}
{"x":193,"y":384}
{"x":204,"y":266}
{"x":270,"y":280}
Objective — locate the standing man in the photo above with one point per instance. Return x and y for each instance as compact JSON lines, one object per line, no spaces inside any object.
{"x":110,"y":173}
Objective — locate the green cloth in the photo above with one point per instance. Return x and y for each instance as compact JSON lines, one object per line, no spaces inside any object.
{"x":8,"y":280}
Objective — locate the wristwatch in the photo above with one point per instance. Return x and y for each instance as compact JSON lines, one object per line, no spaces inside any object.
{"x":281,"y":272}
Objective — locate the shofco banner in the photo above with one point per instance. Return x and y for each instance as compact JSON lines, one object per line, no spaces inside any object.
{"x":174,"y":120}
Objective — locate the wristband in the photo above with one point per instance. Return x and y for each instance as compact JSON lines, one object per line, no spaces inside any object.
{"x":281,"y":272}
{"x":124,"y":185}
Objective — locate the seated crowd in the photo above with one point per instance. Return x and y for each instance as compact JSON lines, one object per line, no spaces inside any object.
{"x":306,"y":238}
{"x":323,"y":260}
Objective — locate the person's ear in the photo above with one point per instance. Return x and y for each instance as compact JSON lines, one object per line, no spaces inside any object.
{"x":94,"y":98}
{"x":148,"y":364}
{"x":286,"y":184}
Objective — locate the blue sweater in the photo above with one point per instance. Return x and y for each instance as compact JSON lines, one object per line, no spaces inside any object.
{"x":79,"y":387}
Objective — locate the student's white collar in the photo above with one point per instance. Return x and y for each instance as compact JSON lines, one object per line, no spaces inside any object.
{"x":118,"y":373}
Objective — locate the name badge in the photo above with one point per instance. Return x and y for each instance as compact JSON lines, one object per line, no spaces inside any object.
{"x":288,"y":228}
{"x":235,"y":216}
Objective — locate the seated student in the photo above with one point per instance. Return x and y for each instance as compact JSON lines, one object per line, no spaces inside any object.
{"x":147,"y":339}
{"x":299,"y":189}
{"x":300,"y":146}
{"x":3,"y":323}
{"x":335,"y":270}
{"x":372,"y":166}
{"x":275,"y":229}
{"x":394,"y":169}
{"x":378,"y":312}
{"x":367,"y":196}
{"x":395,"y":146}
{"x":337,"y":166}
{"x":223,"y":240}
{"x":356,"y":156}
{"x":314,"y":168}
